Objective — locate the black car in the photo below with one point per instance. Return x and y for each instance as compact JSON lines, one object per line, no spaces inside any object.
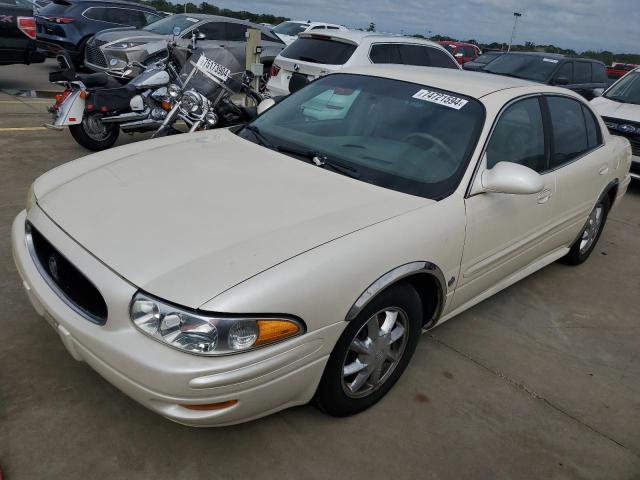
{"x":18,"y":33}
{"x":482,"y":61}
{"x":68,"y":24}
{"x":582,"y":75}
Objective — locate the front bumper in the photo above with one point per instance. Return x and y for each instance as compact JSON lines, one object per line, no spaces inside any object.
{"x":160,"y":378}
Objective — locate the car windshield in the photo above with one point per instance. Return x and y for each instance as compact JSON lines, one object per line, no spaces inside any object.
{"x":626,"y":90}
{"x":529,"y":67}
{"x":485,"y":58}
{"x":398,"y":135}
{"x":290,"y":28}
{"x":166,"y":25}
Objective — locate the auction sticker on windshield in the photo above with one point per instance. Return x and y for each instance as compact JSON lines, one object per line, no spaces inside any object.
{"x":443,"y":99}
{"x":213,"y":68}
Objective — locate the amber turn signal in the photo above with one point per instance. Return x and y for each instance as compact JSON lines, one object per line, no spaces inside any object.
{"x":273,"y":330}
{"x":212,"y":406}
{"x":166,"y":105}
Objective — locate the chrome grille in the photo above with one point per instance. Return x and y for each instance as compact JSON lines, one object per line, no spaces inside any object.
{"x":626,"y":129}
{"x":94,"y":55}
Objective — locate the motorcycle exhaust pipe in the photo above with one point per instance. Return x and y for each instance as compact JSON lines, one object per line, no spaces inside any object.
{"x":146,"y":124}
{"x":126,"y":117}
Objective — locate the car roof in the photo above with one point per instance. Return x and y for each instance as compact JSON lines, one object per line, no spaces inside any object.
{"x":220,"y":18}
{"x":358,"y":37}
{"x":555,"y":56}
{"x":472,"y":84}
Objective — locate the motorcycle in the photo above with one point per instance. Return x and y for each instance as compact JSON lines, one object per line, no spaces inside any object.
{"x":96,"y":107}
{"x":204,"y":100}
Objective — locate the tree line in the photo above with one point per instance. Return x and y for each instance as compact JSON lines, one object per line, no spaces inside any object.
{"x":204,"y":7}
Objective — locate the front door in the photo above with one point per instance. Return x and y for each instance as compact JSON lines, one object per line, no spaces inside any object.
{"x":507,"y":232}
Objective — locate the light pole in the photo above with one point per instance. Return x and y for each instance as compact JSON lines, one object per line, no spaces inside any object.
{"x":516,"y":16}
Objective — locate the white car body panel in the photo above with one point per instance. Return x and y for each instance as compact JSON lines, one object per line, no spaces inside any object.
{"x":220,"y":223}
{"x":315,"y":27}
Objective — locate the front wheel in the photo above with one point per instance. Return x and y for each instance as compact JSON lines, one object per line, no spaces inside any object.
{"x":372,"y":352}
{"x":93,"y":134}
{"x":586,"y":242}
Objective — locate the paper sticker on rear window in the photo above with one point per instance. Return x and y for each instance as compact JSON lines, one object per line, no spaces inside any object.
{"x":193,"y":20}
{"x":550,"y":60}
{"x":441,"y":99}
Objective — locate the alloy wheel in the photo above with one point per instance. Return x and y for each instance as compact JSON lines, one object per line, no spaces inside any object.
{"x":590,"y":233}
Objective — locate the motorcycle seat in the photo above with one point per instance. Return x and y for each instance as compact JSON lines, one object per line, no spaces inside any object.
{"x":94,"y":80}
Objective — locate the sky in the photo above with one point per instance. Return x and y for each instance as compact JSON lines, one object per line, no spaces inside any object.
{"x":612,"y":25}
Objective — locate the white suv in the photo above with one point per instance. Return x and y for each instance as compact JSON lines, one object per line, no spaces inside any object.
{"x":316,"y":54}
{"x":289,"y":31}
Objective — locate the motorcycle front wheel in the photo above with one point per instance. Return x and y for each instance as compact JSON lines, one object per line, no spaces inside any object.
{"x":93,"y":134}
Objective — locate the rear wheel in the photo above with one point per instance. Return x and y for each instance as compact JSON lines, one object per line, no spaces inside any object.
{"x":93,"y":134}
{"x":590,"y":234}
{"x":372,"y":352}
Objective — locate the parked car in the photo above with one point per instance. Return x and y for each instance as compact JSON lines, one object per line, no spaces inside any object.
{"x":288,"y":31}
{"x":582,"y":75}
{"x":620,"y":110}
{"x":316,"y":54}
{"x":482,"y":61}
{"x":218,"y":277}
{"x":112,"y":51}
{"x":463,"y":52}
{"x":18,"y":33}
{"x":619,"y":70}
{"x":67,"y":25}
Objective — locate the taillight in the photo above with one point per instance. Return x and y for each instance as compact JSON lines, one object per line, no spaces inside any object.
{"x":60,"y":19}
{"x":275,"y":69}
{"x":27,"y":25}
{"x":60,"y":97}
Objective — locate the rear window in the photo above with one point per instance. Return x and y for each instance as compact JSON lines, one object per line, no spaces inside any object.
{"x":319,"y":50}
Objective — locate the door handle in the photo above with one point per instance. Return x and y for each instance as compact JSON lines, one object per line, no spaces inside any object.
{"x":544,"y":196}
{"x":604,"y":170}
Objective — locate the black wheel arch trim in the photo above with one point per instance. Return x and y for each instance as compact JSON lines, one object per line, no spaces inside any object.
{"x":393,"y":276}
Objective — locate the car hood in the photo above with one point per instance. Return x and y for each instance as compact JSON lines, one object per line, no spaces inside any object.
{"x":613,"y":109}
{"x":190,"y":218}
{"x":119,"y":34}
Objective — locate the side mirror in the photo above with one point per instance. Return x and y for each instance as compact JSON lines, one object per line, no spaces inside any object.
{"x":265,"y":105}
{"x":201,"y":36}
{"x":561,"y":80}
{"x":508,"y":177}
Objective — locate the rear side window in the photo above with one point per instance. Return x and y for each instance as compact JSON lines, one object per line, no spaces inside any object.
{"x":518,"y":137}
{"x":317,"y":50}
{"x":570,"y":138}
{"x":581,"y":72}
{"x":599,"y":73}
{"x":411,"y":55}
{"x":119,"y":16}
{"x":594,"y":135}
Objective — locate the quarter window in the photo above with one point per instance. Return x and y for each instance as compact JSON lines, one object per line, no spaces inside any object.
{"x":594,"y":136}
{"x":518,"y":136}
{"x":570,"y":138}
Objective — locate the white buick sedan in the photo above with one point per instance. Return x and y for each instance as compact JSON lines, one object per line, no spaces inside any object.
{"x":221,"y":276}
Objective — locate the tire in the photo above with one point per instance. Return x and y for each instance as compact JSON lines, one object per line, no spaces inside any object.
{"x":339,"y":395}
{"x":590,"y":234}
{"x":93,"y":134}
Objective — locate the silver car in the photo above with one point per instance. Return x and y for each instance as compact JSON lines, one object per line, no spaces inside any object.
{"x":114,"y":50}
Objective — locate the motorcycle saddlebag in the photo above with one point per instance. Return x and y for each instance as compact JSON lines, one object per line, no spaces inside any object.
{"x":111,"y":99}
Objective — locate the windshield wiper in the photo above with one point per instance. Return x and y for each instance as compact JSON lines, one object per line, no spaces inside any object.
{"x":321,"y":160}
{"x":264,"y":141}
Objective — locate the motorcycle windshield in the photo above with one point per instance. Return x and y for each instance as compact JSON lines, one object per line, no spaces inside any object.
{"x":214,"y":66}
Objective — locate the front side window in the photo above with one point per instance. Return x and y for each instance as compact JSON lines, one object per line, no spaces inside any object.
{"x":319,"y":50}
{"x":566,"y":72}
{"x":518,"y":136}
{"x":398,"y":135}
{"x":570,"y":139}
{"x":213,"y":30}
{"x":150,"y":18}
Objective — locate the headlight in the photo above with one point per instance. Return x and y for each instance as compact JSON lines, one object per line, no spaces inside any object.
{"x":174,"y":90}
{"x":31,"y":198}
{"x":192,"y":101}
{"x":126,"y":44}
{"x":203,"y":334}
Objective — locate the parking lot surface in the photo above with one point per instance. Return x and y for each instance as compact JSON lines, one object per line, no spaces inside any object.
{"x":540,"y":381}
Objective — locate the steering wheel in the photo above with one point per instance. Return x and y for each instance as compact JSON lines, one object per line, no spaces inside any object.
{"x":436,"y":142}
